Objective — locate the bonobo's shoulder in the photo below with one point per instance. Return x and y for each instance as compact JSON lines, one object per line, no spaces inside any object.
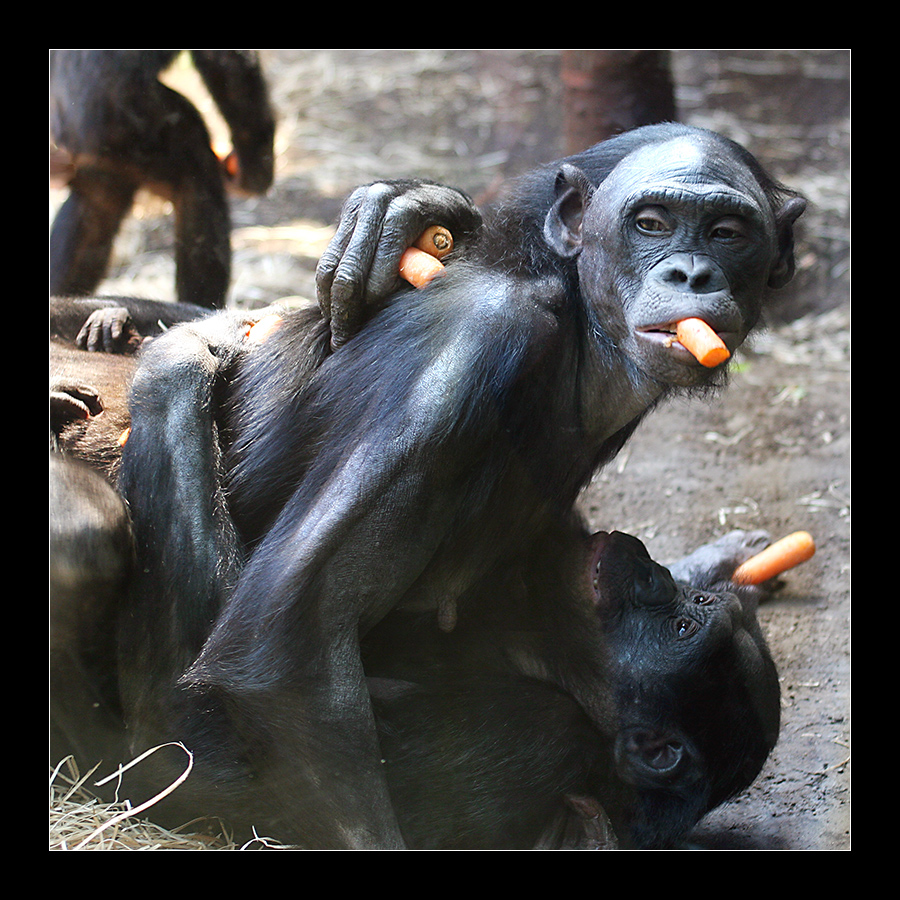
{"x":518,"y":302}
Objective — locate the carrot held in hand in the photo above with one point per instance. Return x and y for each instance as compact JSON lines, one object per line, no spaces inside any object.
{"x":790,"y":551}
{"x":421,"y":262}
{"x":702,"y":342}
{"x":436,"y":241}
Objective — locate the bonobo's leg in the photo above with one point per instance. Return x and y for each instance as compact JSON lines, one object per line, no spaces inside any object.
{"x":83,"y":232}
{"x":187,"y":164}
{"x":172,"y":477}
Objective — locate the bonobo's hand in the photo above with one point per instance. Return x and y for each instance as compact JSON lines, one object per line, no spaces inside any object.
{"x":358,"y":270}
{"x":711,"y":566}
{"x":109,"y":330}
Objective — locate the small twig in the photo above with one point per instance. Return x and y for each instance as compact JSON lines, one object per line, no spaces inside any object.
{"x":147,"y":804}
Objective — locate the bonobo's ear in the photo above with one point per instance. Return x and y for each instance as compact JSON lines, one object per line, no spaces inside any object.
{"x":783,"y":270}
{"x":562,"y":227}
{"x":650,"y":756}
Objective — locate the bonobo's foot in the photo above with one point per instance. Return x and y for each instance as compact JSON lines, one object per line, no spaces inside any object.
{"x":70,"y":401}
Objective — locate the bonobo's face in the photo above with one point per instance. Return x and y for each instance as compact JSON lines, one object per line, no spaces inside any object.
{"x":696,"y":690}
{"x":679,"y":229}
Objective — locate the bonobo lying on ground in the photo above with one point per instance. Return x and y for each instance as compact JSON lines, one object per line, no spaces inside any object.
{"x":285,"y":500}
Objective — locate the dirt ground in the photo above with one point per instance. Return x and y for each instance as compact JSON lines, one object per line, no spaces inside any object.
{"x":772,"y":452}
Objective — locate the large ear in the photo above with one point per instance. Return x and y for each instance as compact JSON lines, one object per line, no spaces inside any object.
{"x":651,"y":756}
{"x":562,"y":227}
{"x":783,"y":270}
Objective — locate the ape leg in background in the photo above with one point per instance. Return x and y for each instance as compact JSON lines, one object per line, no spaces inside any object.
{"x":85,"y":228}
{"x":123,"y":129}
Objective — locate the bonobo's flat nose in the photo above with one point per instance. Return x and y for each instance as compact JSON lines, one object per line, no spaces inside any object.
{"x":689,"y":273}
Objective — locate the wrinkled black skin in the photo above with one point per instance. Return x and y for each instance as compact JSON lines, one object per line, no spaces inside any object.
{"x":476,"y":409}
{"x":123,"y":130}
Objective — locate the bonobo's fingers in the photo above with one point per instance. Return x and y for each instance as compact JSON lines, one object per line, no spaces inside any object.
{"x":714,"y":563}
{"x":109,"y":330}
{"x":359,"y":269}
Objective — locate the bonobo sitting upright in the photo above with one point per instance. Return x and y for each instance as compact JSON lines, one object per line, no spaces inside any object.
{"x":122,"y":129}
{"x":279,"y":517}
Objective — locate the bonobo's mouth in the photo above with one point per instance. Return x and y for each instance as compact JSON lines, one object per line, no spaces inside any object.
{"x":663,"y":338}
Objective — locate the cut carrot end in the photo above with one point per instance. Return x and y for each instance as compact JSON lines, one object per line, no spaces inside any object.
{"x":123,"y":437}
{"x":436,"y":241}
{"x":702,"y":342}
{"x":790,"y":551}
{"x":419,"y":267}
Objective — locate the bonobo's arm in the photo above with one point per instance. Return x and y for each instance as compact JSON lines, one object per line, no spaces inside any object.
{"x":172,"y":475}
{"x":399,"y":467}
{"x":358,"y":270}
{"x":115,"y":324}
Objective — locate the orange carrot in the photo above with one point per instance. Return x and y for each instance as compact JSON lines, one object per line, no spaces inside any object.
{"x":790,"y":551}
{"x":260,"y":330}
{"x":436,"y":241}
{"x":419,"y":267}
{"x":419,"y":263}
{"x":705,"y":345}
{"x":123,"y":437}
{"x":232,"y":165}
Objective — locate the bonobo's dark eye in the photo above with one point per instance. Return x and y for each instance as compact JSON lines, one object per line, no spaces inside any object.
{"x":702,"y":599}
{"x":652,"y":220}
{"x":684,"y":628}
{"x":728,"y":229}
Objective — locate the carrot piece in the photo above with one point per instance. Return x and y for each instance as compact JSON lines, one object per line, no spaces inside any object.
{"x":436,"y":241}
{"x":703,"y":343}
{"x":419,"y":263}
{"x":790,"y":551}
{"x":260,"y":330}
{"x":123,"y":437}
{"x":419,"y":267}
{"x":232,"y":165}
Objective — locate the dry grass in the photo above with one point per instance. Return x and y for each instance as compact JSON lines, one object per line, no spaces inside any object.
{"x":81,"y":821}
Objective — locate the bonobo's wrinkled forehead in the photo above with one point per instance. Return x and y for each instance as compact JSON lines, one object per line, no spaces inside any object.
{"x":696,"y":169}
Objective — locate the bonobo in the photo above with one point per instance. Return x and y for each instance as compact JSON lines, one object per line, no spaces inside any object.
{"x":483,"y":751}
{"x":482,"y":748}
{"x":279,"y":515}
{"x":122,"y":129}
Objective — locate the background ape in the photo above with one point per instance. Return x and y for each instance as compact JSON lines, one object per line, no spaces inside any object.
{"x":444,"y":440}
{"x":122,"y":129}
